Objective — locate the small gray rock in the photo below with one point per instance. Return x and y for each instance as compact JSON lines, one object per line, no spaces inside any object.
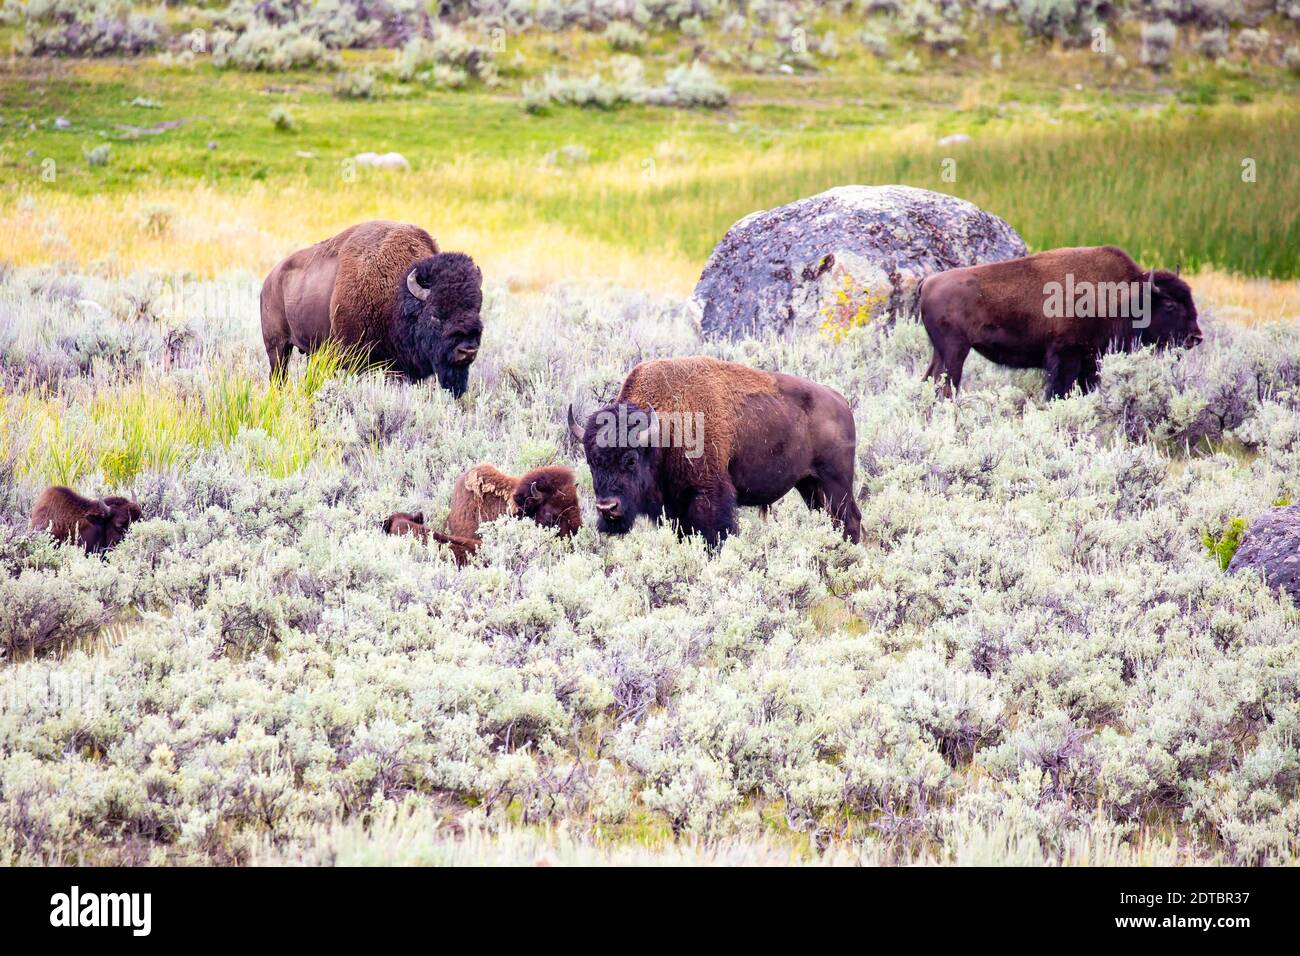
{"x":843,"y":257}
{"x":1272,"y":545}
{"x":382,"y":161}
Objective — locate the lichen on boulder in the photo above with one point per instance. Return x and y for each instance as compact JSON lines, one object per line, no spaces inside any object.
{"x":1272,"y":546}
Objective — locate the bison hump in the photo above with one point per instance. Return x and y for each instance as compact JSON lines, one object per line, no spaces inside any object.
{"x":698,"y":384}
{"x":373,"y":259}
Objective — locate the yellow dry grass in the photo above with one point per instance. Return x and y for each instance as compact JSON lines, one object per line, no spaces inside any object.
{"x":213,"y":231}
{"x":625,"y":220}
{"x":1249,"y":301}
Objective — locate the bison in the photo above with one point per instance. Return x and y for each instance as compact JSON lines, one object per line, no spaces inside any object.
{"x":546,"y":495}
{"x":384,"y":289}
{"x":400,"y":522}
{"x":693,"y":438}
{"x":97,"y":524}
{"x":1059,"y":310}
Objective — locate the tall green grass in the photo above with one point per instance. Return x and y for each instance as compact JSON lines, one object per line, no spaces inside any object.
{"x":1157,"y":171}
{"x":1168,"y":187}
{"x":154,"y":424}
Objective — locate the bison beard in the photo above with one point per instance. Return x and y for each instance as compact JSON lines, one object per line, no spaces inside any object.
{"x":764,"y":434}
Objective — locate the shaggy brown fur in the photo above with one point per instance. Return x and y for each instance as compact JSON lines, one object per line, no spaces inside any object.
{"x":481,"y":494}
{"x":698,"y":384}
{"x":763,"y":433}
{"x":413,"y":524}
{"x":1001,"y":310}
{"x":96,"y":524}
{"x":484,"y":493}
{"x":355,"y":289}
{"x":547,"y":496}
{"x":371,"y":255}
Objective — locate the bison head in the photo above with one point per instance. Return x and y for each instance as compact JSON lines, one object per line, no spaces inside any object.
{"x":623,"y":452}
{"x":1172,"y":312}
{"x":438,"y":327}
{"x":549,"y":496}
{"x":106,"y":525}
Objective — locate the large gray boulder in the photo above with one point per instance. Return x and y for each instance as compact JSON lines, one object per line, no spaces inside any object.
{"x":841,"y":258}
{"x":1272,"y":545}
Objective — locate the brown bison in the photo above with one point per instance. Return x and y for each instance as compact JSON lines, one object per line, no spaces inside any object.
{"x":97,"y":524}
{"x":1059,"y":311}
{"x":691,"y":438}
{"x":382,"y":288}
{"x":546,"y":495}
{"x":400,"y":522}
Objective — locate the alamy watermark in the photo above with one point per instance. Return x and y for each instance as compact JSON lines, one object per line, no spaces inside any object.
{"x":75,"y":908}
{"x":637,"y":429}
{"x":22,"y":692}
{"x":1085,"y":299}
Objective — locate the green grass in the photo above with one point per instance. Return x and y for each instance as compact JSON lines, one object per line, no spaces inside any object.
{"x":154,"y":425}
{"x":1065,"y":150}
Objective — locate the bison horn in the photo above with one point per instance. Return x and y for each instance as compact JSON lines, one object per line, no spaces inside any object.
{"x":574,"y":430}
{"x":417,"y":290}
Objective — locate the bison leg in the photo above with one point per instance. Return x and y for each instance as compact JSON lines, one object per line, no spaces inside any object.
{"x":834,"y":495}
{"x":950,"y":351}
{"x":936,"y":367}
{"x":953,"y":355}
{"x":1089,"y":376}
{"x":711,"y":513}
{"x":1063,"y":369}
{"x":813,"y":495}
{"x":278,"y":352}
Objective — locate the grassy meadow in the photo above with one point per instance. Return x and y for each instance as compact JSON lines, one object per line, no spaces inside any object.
{"x":1062,"y":148}
{"x":1034,"y":656}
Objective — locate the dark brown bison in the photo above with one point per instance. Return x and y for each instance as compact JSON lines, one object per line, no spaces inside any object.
{"x":546,"y":495}
{"x":97,"y":524}
{"x":1059,"y":311}
{"x":384,"y":289}
{"x":691,"y":438}
{"x":400,"y":522}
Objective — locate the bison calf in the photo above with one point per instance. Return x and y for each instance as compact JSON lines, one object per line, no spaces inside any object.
{"x":548,"y":496}
{"x":743,"y":437}
{"x":384,"y":288}
{"x":399,"y":522}
{"x":97,"y":524}
{"x":1059,"y":311}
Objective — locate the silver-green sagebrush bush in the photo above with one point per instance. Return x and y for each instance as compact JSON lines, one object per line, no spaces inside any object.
{"x":1029,"y":658}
